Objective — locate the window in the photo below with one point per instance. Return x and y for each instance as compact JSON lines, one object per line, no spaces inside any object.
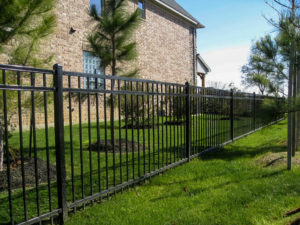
{"x":97,"y":4}
{"x":141,"y":7}
{"x":91,"y":65}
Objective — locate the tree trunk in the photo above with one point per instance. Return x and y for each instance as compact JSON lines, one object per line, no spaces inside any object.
{"x":290,"y":95}
{"x":1,"y":148}
{"x":294,"y":114}
{"x":298,"y":113}
{"x":290,"y":114}
{"x":112,"y":111}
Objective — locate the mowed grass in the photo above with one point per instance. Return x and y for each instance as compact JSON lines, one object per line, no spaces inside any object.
{"x":167,"y":141}
{"x":224,"y":187}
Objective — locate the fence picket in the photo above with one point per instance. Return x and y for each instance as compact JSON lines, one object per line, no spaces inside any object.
{"x":188,"y":121}
{"x":60,"y":143}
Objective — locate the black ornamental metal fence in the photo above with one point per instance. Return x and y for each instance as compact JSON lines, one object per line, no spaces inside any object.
{"x":70,"y":139}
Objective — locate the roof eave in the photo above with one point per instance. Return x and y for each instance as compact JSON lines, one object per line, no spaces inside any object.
{"x":200,"y":26}
{"x":204,"y":63}
{"x":195,"y":22}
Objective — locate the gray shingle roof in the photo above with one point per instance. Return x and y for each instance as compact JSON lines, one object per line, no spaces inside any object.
{"x":174,"y":5}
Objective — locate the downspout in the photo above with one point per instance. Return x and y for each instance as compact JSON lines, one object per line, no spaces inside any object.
{"x":194,"y":56}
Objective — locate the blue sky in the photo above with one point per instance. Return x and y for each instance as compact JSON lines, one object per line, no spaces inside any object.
{"x":231,"y":26}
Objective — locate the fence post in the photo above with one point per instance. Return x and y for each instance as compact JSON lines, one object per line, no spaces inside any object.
{"x":231,"y":116}
{"x":188,"y":121}
{"x":59,"y":142}
{"x":254,"y":110}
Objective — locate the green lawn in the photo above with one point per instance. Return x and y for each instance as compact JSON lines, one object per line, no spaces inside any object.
{"x":171,"y":149}
{"x":224,"y":187}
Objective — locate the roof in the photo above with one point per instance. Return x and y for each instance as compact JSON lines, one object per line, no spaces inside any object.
{"x":202,"y":67}
{"x":175,"y":7}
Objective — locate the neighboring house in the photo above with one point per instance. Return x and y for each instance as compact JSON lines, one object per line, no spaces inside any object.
{"x":166,"y":39}
{"x":202,"y":70}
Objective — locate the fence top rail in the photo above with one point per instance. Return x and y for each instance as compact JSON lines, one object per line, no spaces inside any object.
{"x":237,"y":94}
{"x":26,"y":88}
{"x":108,"y":77}
{"x":24,"y":69}
{"x":122,"y":92}
{"x":129,"y":79}
{"x":208,"y":89}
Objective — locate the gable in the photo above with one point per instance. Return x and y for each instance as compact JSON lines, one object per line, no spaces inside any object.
{"x":202,"y":67}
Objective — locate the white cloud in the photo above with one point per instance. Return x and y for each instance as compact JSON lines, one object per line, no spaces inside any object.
{"x":226,"y":64}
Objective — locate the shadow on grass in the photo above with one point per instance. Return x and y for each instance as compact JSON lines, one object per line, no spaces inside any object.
{"x":212,"y":187}
{"x":236,"y":152}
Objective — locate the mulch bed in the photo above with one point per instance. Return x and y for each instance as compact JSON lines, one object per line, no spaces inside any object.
{"x":140,"y":126}
{"x":277,"y":159}
{"x":109,"y":147}
{"x":29,"y":168}
{"x":150,"y":126}
{"x":228,"y":118}
{"x":175,"y":122}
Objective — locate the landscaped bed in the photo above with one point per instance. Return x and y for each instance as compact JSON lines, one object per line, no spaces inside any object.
{"x":117,"y":147}
{"x":230,"y":186}
{"x":29,"y":171}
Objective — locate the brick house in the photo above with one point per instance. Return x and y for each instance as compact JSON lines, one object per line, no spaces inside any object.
{"x":166,"y":39}
{"x":166,"y":44}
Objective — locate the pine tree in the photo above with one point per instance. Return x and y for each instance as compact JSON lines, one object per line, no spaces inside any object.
{"x":111,"y":41}
{"x":288,"y":40}
{"x":19,"y":18}
{"x":266,"y":67}
{"x":27,"y":23}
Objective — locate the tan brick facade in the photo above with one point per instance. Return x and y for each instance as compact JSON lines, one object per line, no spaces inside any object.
{"x":165,"y":46}
{"x":165,"y":41}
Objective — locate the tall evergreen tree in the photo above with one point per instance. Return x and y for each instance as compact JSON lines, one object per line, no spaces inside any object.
{"x":111,"y":40}
{"x":19,"y":18}
{"x":266,"y":68}
{"x":27,"y":23}
{"x":288,"y":26}
{"x":287,"y":56}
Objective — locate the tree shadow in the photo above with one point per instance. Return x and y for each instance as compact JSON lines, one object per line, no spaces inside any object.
{"x":212,"y":187}
{"x":235,"y":152}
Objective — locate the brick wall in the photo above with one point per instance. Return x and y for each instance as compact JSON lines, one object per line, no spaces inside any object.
{"x":164,"y":41}
{"x":164,"y":46}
